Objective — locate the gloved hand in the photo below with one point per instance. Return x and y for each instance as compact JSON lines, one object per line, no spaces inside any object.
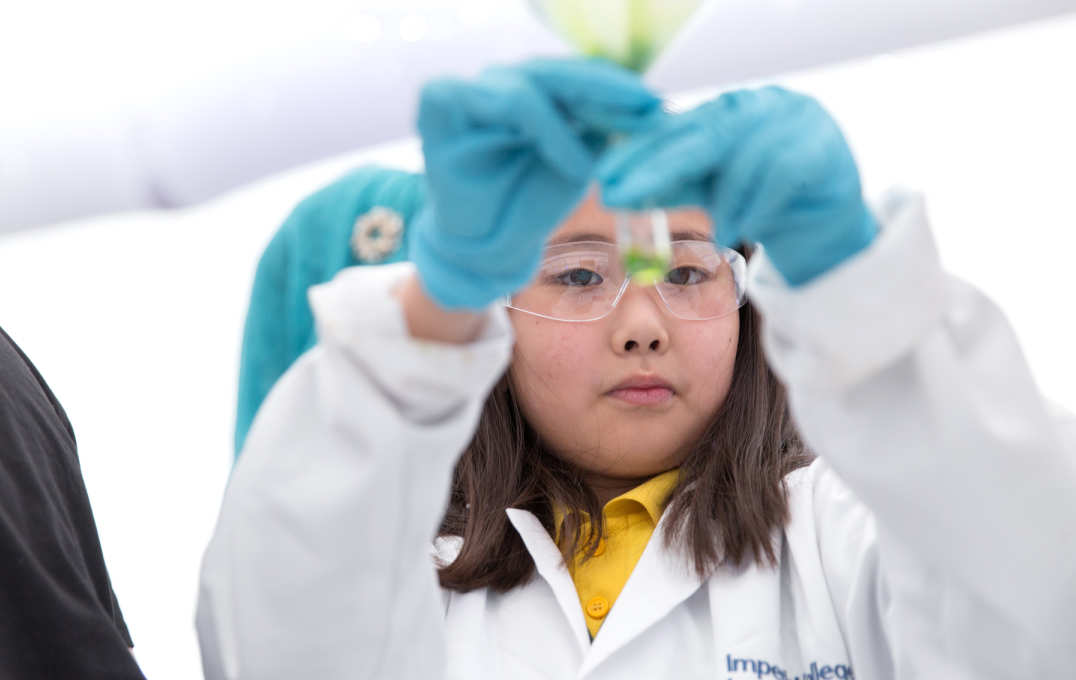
{"x":508,"y":156}
{"x":770,"y":166}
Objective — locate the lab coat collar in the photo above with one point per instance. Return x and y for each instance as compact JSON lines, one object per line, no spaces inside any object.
{"x":661,"y":580}
{"x":550,"y":565}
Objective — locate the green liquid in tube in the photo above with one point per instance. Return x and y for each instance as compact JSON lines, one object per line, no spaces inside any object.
{"x":643,"y":239}
{"x":645,"y":268}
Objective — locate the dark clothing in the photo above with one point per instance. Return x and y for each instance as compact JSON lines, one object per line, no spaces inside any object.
{"x":58,"y":615}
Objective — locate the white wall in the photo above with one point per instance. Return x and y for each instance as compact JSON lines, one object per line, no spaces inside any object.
{"x":135,"y":320}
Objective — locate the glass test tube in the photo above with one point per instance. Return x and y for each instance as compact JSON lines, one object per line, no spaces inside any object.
{"x":645,"y":246}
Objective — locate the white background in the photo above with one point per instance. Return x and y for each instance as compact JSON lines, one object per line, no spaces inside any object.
{"x":135,"y":320}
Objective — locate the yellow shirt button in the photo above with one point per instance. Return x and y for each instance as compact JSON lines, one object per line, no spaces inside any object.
{"x":600,"y":549}
{"x":597,"y":607}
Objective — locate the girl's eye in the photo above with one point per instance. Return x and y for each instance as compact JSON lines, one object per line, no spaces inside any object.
{"x":579,"y":277}
{"x":686,"y":276}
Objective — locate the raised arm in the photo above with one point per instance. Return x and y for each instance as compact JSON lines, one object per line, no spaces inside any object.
{"x":320,"y":563}
{"x":908,"y":382}
{"x":911,"y":384}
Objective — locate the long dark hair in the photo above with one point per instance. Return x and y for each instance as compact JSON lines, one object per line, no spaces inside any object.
{"x":723,"y":510}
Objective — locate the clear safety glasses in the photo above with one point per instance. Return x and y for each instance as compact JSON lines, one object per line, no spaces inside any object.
{"x":584,"y":282}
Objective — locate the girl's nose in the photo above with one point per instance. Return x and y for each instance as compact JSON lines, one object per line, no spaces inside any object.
{"x":640,"y":323}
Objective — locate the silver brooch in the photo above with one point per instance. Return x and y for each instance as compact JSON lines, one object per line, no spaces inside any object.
{"x":377,"y":233}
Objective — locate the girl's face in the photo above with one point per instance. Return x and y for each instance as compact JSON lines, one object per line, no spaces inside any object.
{"x":569,"y":377}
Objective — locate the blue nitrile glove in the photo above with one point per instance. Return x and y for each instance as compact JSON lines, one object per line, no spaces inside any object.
{"x":508,"y":156}
{"x":770,"y":166}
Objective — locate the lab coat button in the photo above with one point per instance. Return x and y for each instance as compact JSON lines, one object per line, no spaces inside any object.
{"x":597,"y":607}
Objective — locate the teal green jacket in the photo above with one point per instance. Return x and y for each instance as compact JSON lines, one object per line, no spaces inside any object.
{"x":314,"y":243}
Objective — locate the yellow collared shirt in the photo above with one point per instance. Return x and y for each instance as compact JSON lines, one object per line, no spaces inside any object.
{"x":630,"y":519}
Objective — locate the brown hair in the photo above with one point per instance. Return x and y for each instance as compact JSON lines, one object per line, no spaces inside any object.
{"x":729,"y":498}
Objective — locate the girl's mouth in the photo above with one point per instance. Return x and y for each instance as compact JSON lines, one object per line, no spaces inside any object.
{"x":643,"y":396}
{"x":643,"y":389}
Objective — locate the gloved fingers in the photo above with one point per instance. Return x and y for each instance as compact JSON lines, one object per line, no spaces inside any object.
{"x":723,"y":150}
{"x":596,"y":91}
{"x":533,"y":216}
{"x":752,"y":185}
{"x":440,"y":113}
{"x":796,"y":161}
{"x":470,"y":175}
{"x":594,"y":117}
{"x":790,"y":150}
{"x":738,"y":110}
{"x":683,"y":195}
{"x":597,"y":96}
{"x":654,"y":167}
{"x":503,"y":259}
{"x":452,"y":112}
{"x":556,"y":140}
{"x":720,"y":124}
{"x":626,"y":154}
{"x":472,"y":149}
{"x":688,"y":145}
{"x":472,"y":221}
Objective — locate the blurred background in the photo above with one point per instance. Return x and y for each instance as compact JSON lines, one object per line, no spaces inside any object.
{"x":228,"y":112}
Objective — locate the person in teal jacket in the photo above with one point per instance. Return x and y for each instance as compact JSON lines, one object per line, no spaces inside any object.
{"x":360,"y":218}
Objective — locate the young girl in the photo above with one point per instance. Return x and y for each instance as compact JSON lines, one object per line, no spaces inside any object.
{"x":610,"y":469}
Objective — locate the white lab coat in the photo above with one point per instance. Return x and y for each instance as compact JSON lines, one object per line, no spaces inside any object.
{"x":932,"y":539}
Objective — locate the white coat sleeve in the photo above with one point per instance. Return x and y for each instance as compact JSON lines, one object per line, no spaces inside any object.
{"x":320,"y":564}
{"x":910,"y":384}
